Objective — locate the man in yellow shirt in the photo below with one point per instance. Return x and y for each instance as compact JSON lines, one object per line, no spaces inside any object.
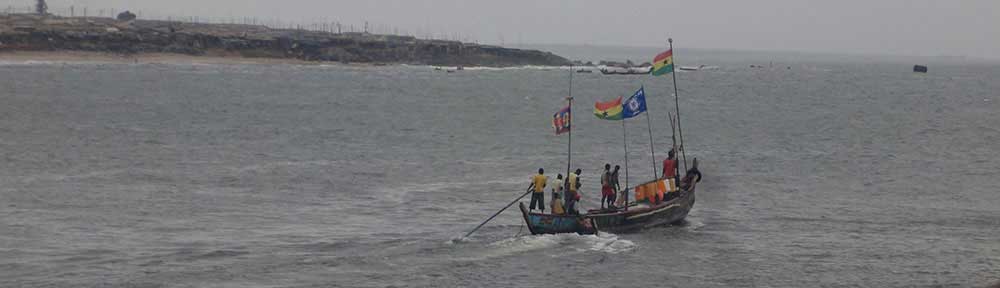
{"x":557,"y":205}
{"x":537,"y":186}
{"x":572,"y":191}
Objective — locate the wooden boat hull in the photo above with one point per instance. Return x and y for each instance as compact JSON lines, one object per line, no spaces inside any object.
{"x":539,"y":223}
{"x":635,"y":219}
{"x":665,"y":213}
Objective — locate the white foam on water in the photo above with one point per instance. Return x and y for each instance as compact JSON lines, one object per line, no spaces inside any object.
{"x":64,"y":177}
{"x":457,"y":240}
{"x":604,"y":242}
{"x":693,"y":224}
{"x":518,"y":245}
{"x":607,"y":243}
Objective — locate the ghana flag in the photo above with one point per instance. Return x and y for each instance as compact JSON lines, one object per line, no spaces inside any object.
{"x":663,"y":63}
{"x":611,"y":110}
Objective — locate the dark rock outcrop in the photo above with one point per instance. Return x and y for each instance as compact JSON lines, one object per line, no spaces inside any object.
{"x":126,"y":16}
{"x":49,"y":33}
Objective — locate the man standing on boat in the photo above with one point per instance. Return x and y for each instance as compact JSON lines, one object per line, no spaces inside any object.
{"x":557,"y":205}
{"x":670,"y":173}
{"x":538,"y":183}
{"x":615,"y":186}
{"x":557,"y":185}
{"x":557,"y":192}
{"x":572,"y":191}
{"x":607,"y":192}
{"x":670,"y":166}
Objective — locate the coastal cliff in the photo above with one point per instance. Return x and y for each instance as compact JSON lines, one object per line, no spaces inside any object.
{"x":26,"y":32}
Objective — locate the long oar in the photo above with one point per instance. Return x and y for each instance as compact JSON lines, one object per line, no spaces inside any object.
{"x":498,"y":213}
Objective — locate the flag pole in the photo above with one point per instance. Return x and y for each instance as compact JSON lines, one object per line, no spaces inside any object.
{"x":625,"y":142}
{"x":677,"y":105}
{"x":673,"y":136}
{"x":569,"y":145}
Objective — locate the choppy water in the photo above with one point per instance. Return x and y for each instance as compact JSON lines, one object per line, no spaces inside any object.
{"x":831,"y":173}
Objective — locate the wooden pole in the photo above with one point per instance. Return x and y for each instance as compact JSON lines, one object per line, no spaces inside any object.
{"x":569,"y":145}
{"x":677,"y":105}
{"x":625,"y":143}
{"x":673,"y":135}
{"x":651,"y":150}
{"x":498,"y":213}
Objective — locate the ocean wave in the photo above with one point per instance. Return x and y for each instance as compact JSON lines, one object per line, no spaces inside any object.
{"x":64,"y":177}
{"x":269,"y":166}
{"x":14,"y":63}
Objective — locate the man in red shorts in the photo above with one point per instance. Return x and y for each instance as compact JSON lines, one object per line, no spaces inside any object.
{"x":607,"y":192}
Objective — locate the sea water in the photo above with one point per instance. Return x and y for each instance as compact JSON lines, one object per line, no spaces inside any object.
{"x":818,"y":171}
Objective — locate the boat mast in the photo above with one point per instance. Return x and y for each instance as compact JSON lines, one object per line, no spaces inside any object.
{"x":651,"y":148}
{"x":677,"y":105}
{"x":569,"y":145}
{"x":673,"y":138}
{"x":625,"y":142}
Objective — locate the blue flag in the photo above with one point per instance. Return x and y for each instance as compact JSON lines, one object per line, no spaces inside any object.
{"x":561,"y":121}
{"x":635,"y":105}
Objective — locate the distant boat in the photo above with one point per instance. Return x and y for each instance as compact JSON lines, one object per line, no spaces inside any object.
{"x":920,"y":68}
{"x":584,"y":71}
{"x":691,"y":68}
{"x":610,"y":70}
{"x":698,"y":68}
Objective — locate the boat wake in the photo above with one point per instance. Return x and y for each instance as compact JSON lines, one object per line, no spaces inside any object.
{"x":693,"y":224}
{"x":605,"y":242}
{"x":553,"y":245}
{"x":608,"y":243}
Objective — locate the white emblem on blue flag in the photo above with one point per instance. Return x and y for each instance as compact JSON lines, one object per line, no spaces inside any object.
{"x":635,"y":104}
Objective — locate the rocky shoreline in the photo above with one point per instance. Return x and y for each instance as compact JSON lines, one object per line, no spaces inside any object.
{"x":28,"y":32}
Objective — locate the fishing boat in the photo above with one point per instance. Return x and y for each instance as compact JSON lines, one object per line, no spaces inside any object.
{"x":691,"y":68}
{"x":658,"y":202}
{"x":635,"y":218}
{"x":654,"y":203}
{"x":611,"y":70}
{"x":541,"y":223}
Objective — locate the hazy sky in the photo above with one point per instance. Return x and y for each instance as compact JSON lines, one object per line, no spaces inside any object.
{"x":906,"y":27}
